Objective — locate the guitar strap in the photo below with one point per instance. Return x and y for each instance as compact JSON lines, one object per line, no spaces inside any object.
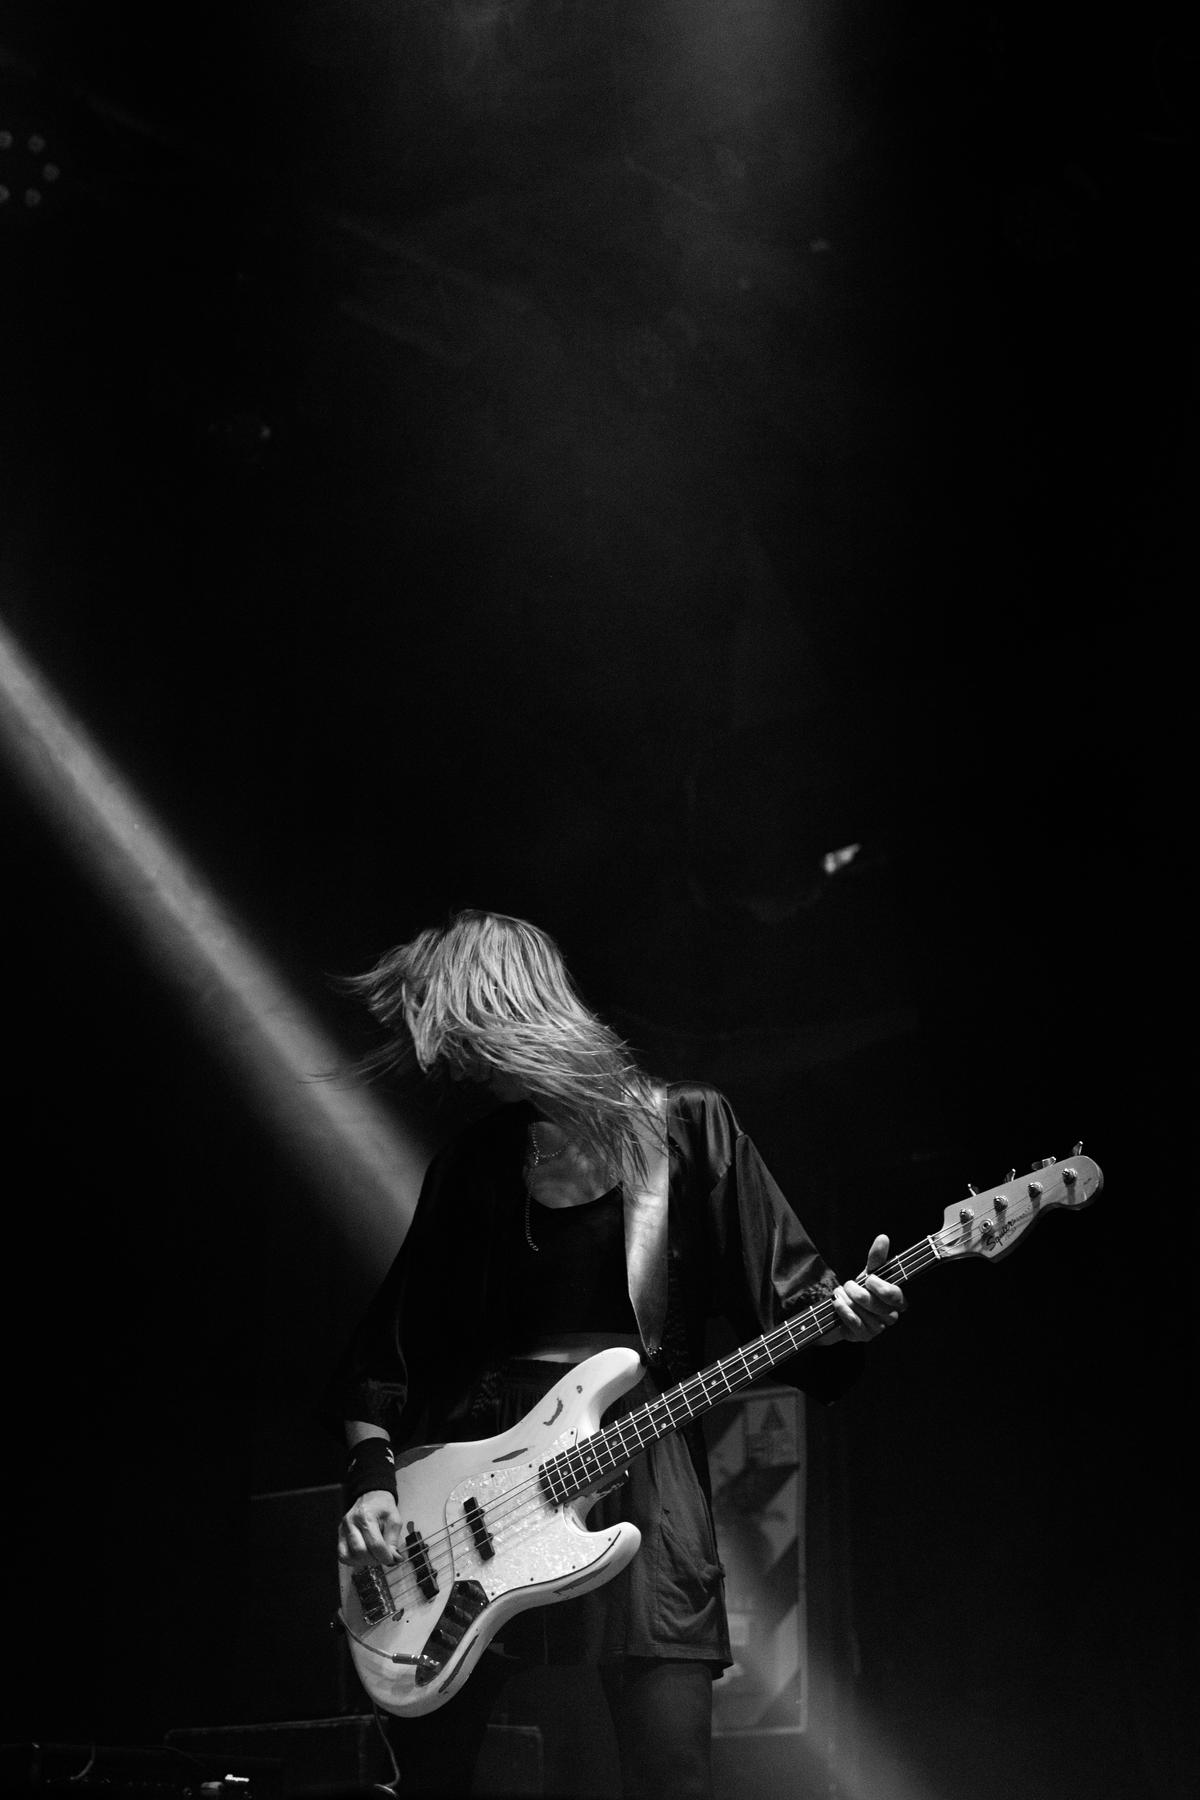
{"x":646,"y":1219}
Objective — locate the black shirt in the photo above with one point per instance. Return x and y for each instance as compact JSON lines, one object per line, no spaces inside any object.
{"x":575,"y":1279}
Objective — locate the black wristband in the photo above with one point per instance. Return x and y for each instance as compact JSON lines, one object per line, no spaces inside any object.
{"x":372,"y":1466}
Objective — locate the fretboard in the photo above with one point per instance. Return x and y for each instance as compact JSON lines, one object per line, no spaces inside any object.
{"x":573,"y":1472}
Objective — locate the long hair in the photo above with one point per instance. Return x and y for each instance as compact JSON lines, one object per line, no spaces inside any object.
{"x":487,"y":992}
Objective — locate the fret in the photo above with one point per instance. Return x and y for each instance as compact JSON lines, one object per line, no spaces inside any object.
{"x":553,"y":1482}
{"x":630,"y":1423}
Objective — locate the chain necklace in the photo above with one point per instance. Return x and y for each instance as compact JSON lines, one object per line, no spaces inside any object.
{"x":533,"y":1156}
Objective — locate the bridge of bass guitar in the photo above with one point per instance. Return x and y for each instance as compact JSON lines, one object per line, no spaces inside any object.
{"x":497,"y":1546}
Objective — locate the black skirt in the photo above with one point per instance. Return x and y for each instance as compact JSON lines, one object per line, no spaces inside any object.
{"x":669,"y":1601}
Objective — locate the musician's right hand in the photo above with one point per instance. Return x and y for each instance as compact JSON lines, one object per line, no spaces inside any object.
{"x":371,"y":1530}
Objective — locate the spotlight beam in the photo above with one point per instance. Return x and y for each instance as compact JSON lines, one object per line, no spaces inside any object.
{"x":341,"y":1139}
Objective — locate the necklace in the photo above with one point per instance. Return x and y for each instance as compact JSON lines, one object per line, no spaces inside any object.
{"x":533,"y":1156}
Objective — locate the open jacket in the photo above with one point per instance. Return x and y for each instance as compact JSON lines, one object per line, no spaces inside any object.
{"x":732,"y":1248}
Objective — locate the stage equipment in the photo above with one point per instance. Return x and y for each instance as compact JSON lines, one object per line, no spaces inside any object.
{"x":756,"y":1455}
{"x":349,"y":1757}
{"x":146,"y":1772}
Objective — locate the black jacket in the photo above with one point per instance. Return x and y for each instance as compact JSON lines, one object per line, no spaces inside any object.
{"x":735,"y":1249}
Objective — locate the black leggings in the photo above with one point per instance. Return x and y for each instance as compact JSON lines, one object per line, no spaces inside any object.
{"x":661,"y":1712}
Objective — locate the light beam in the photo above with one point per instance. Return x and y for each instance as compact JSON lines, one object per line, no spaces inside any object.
{"x":340,"y":1136}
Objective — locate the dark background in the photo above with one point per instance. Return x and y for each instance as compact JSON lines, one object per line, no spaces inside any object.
{"x":592,"y":461}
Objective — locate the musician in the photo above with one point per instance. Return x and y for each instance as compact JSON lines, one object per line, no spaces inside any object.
{"x":589,"y":1208}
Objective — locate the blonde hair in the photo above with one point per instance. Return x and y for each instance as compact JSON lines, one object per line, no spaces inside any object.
{"x":493,"y":990}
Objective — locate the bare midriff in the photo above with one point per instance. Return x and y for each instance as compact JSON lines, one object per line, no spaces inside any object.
{"x":573,"y":1347}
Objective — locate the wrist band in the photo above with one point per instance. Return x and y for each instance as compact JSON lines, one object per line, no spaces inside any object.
{"x":372,"y":1466}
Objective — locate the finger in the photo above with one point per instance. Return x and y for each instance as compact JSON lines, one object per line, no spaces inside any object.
{"x":852,"y":1320}
{"x":887,"y":1294}
{"x":377,"y":1545}
{"x":351,"y":1548}
{"x":878,"y":1253}
{"x":385,"y":1515}
{"x":862,"y":1315}
{"x":865,"y":1299}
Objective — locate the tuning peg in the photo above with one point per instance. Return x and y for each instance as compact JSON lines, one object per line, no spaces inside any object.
{"x":1011,"y":1176}
{"x":1077,"y":1149}
{"x":1043,"y":1162}
{"x":971,"y":1188}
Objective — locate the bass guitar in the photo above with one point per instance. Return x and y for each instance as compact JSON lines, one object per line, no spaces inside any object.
{"x":496,"y":1526}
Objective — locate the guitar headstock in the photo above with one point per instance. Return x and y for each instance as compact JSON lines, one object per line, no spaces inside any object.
{"x":992,"y":1224}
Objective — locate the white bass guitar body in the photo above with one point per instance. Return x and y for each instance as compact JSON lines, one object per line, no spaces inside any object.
{"x":486,"y":1536}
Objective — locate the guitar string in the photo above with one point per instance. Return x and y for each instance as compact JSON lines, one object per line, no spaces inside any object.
{"x":586,"y":1459}
{"x":781,"y":1341}
{"x":527,"y":1497}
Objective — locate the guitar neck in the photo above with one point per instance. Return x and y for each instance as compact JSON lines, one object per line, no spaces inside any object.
{"x":574,"y":1472}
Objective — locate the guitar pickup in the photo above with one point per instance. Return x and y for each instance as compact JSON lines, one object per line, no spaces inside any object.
{"x":477,"y":1523}
{"x":467,"y":1600}
{"x":418,"y":1556}
{"x":374,"y":1595}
